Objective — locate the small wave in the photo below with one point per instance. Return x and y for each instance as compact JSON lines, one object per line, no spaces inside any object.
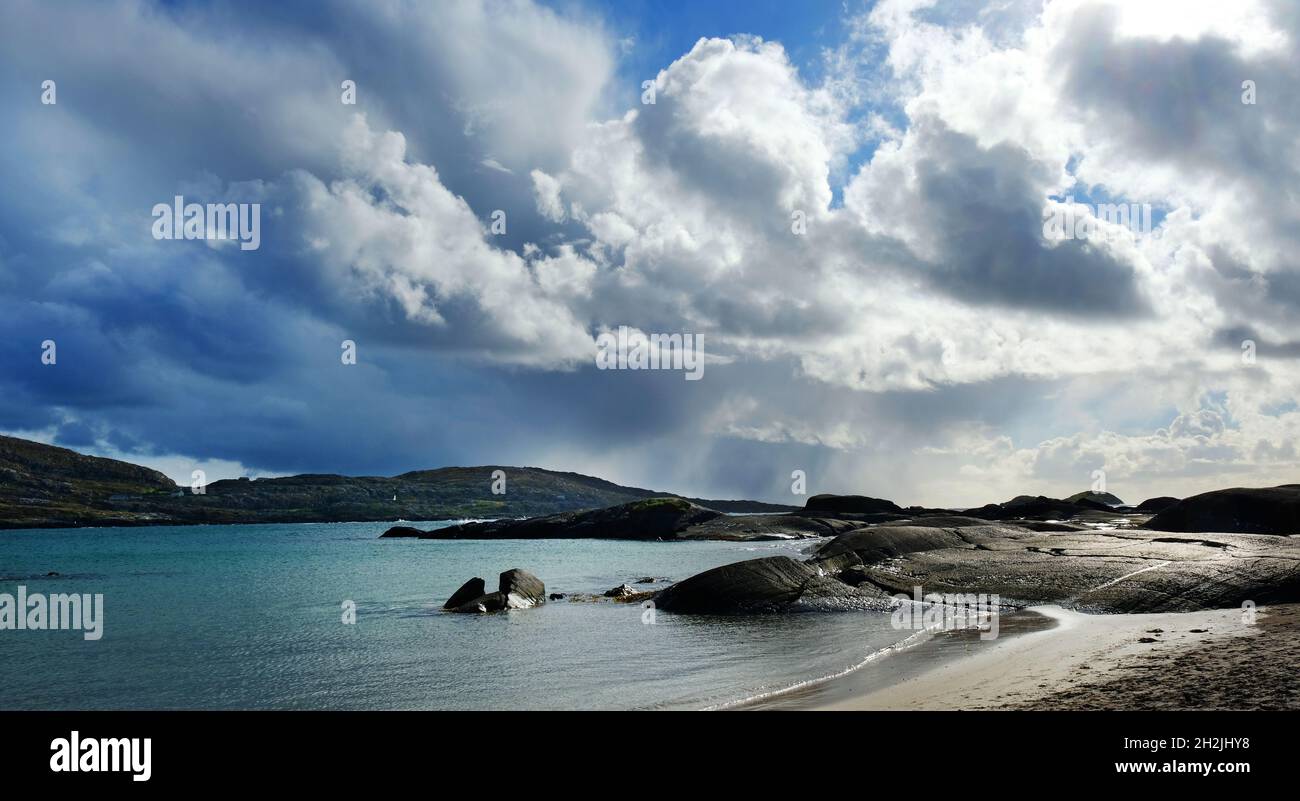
{"x":916,"y":638}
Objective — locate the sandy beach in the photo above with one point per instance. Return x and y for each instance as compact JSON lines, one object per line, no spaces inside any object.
{"x":1053,"y":658}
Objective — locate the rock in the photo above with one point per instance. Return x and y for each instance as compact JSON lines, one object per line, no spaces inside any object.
{"x":855,"y":575}
{"x":836,"y":563}
{"x":1089,"y":503}
{"x":748,"y":528}
{"x":649,"y":519}
{"x":516,"y":589}
{"x":1124,"y":570}
{"x":850,"y":504}
{"x":649,"y":580}
{"x":770,"y":584}
{"x":627,"y":594}
{"x":402,"y":531}
{"x":1042,"y":508}
{"x":492,"y":602}
{"x":883,"y":542}
{"x":521,"y":588}
{"x":1040,"y":525}
{"x":942,"y":521}
{"x":1153,"y":506}
{"x":557,"y":596}
{"x":468,"y":591}
{"x":1272,"y":510}
{"x":1106,"y":499}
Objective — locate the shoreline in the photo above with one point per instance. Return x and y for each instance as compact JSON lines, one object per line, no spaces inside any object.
{"x":1048,"y":657}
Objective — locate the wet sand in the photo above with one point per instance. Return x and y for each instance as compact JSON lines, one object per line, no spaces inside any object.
{"x":1051,"y":658}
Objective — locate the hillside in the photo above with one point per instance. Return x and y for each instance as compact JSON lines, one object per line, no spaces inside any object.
{"x":42,"y":486}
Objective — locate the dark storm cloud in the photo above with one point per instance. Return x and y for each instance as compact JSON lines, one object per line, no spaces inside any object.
{"x":981,"y":209}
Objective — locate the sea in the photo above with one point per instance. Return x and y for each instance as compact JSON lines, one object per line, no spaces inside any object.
{"x":330,"y":616}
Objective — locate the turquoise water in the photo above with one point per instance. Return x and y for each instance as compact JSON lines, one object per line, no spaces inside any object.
{"x":249,"y":617}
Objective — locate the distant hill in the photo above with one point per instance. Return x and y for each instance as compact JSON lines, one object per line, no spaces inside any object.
{"x":42,"y":486}
{"x":1099,"y":497}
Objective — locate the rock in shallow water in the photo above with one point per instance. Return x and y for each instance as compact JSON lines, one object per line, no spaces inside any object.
{"x":468,"y":591}
{"x":516,"y":589}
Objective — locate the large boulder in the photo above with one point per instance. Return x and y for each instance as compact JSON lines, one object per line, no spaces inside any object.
{"x":1271,"y":510}
{"x":849,"y":504}
{"x":521,"y":589}
{"x":468,"y":591}
{"x":770,"y":584}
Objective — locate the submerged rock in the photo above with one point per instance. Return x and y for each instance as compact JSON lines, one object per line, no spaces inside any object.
{"x":627,"y":594}
{"x":1270,"y":510}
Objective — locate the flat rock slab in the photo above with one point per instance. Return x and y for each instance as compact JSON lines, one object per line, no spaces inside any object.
{"x":1113,"y":571}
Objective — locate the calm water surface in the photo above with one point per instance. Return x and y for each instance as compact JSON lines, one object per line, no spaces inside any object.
{"x":249,"y":617}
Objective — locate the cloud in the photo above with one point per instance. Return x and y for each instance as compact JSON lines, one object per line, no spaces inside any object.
{"x":859,"y":240}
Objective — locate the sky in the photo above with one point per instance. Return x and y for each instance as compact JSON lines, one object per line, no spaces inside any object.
{"x":917,"y":335}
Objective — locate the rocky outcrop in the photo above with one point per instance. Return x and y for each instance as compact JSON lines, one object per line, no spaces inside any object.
{"x":1271,"y":510}
{"x":1042,"y":508}
{"x":1106,"y":499}
{"x":1126,"y":570}
{"x":1122,"y":570}
{"x":401,"y":531}
{"x":654,"y":519}
{"x":884,"y":542}
{"x":516,"y":589}
{"x":1152,"y":506}
{"x":770,"y":584}
{"x":751,"y":528}
{"x":850,"y":504}
{"x":651,"y":519}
